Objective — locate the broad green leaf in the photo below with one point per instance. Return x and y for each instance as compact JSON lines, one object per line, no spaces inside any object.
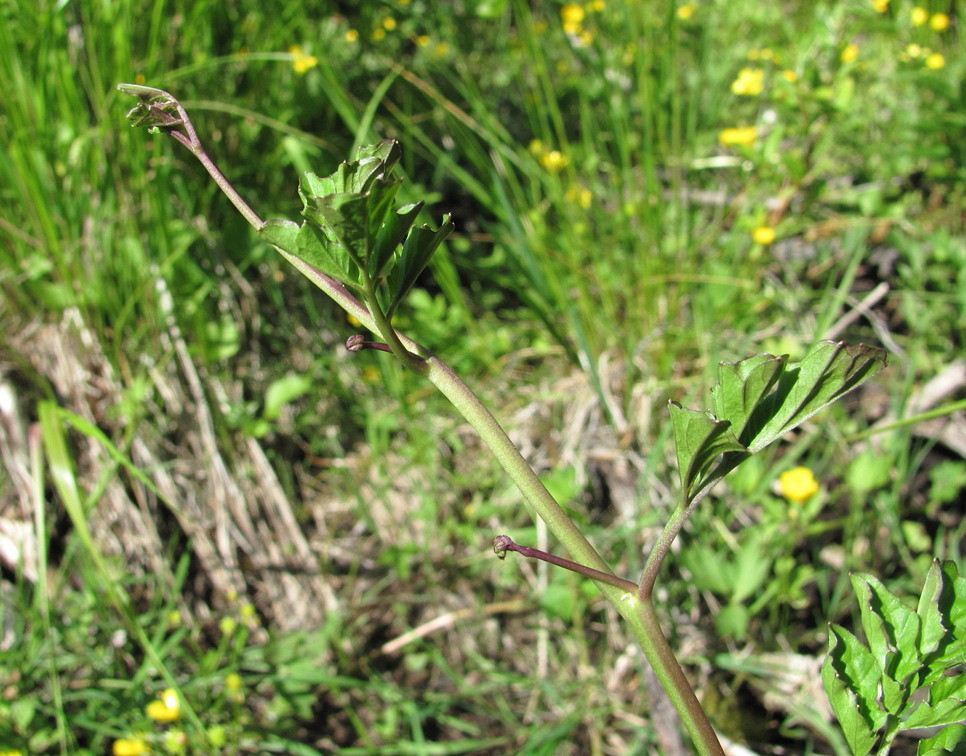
{"x":700,"y":439}
{"x":416,"y":253}
{"x":928,"y":610}
{"x":281,"y":233}
{"x":742,"y":386}
{"x":946,"y":711}
{"x":891,"y":629}
{"x":318,"y":250}
{"x":826,"y":373}
{"x":310,"y":244}
{"x":388,"y":152}
{"x":381,"y":195}
{"x":951,"y":649}
{"x":948,"y":740}
{"x":344,"y":217}
{"x":390,"y":236}
{"x":850,"y":676}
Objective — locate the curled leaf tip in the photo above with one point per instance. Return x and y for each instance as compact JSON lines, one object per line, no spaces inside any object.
{"x":155,"y":109}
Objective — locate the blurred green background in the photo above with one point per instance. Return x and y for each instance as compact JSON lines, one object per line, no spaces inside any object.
{"x":203,"y":491}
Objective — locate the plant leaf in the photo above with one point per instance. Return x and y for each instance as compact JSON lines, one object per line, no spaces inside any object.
{"x":700,"y":439}
{"x":281,"y":233}
{"x":742,"y":386}
{"x":391,"y":235}
{"x":344,"y":217}
{"x":948,"y":740}
{"x":320,"y":251}
{"x":829,"y":371}
{"x":416,"y":253}
{"x":928,"y":610}
{"x":850,"y":675}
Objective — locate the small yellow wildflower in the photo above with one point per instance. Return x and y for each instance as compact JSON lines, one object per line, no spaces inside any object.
{"x":233,"y":682}
{"x":234,"y":686}
{"x":174,"y":618}
{"x":442,"y":48}
{"x":389,"y":23}
{"x":913,"y":50}
{"x":130,"y":747}
{"x":423,"y":40}
{"x":789,"y":75}
{"x":227,"y":625}
{"x":743,"y":136}
{"x":919,"y":16}
{"x":572,"y":16}
{"x":596,"y":6}
{"x":378,"y":34}
{"x":685,"y":12}
{"x":247,"y":612}
{"x":580,"y":196}
{"x":880,"y":6}
{"x":535,"y":147}
{"x":936,"y":60}
{"x":585,"y":38}
{"x":767,"y":54}
{"x":301,"y":61}
{"x":750,"y":82}
{"x":849,"y":53}
{"x":554,"y":161}
{"x":763,"y":235}
{"x":351,"y":35}
{"x":939,"y":22}
{"x":166,"y":709}
{"x":798,"y":485}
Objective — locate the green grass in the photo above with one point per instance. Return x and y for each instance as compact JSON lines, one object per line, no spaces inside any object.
{"x":208,"y":451}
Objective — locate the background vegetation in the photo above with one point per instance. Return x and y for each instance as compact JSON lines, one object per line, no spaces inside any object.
{"x":203,"y":492}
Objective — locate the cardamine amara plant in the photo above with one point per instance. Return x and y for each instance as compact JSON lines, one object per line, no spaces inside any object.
{"x":366,"y":253}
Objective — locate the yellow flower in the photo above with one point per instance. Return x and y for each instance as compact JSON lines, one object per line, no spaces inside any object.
{"x":936,"y":60}
{"x":535,"y":147}
{"x":919,"y":16}
{"x":798,"y":485}
{"x":580,"y":196}
{"x":423,"y":40}
{"x":351,"y":35}
{"x":750,"y":81}
{"x":130,"y":747}
{"x":301,"y":61}
{"x":596,"y":6}
{"x":442,"y":48}
{"x":849,"y":53}
{"x":389,"y":23}
{"x":939,"y":22}
{"x":763,"y":235}
{"x":167,"y":709}
{"x":880,"y":6}
{"x":234,"y":685}
{"x":554,"y":161}
{"x":572,"y":16}
{"x":789,"y":75}
{"x":685,"y":12}
{"x":743,"y":136}
{"x":913,"y":50}
{"x":378,"y":34}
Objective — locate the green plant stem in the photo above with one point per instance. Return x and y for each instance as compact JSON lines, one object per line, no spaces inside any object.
{"x":412,"y":361}
{"x":662,"y":546}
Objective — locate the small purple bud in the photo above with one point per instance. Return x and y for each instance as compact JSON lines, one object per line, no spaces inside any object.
{"x":355,"y":342}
